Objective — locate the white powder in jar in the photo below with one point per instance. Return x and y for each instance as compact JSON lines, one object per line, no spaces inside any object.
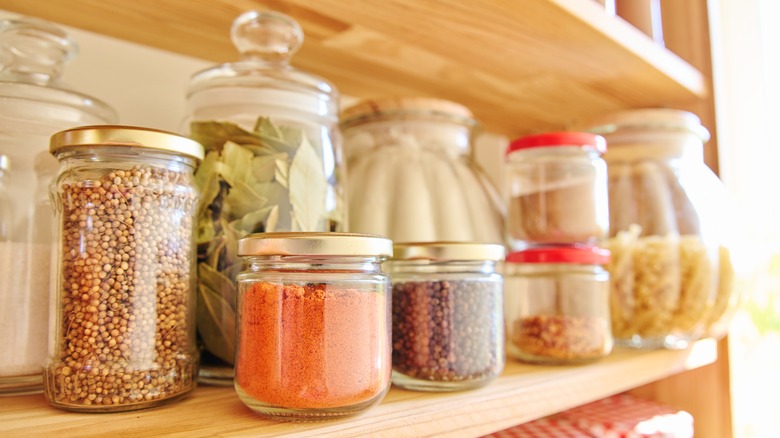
{"x":24,"y":307}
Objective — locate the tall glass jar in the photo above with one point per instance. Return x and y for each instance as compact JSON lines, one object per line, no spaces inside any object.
{"x":667,"y":229}
{"x":124,"y":318}
{"x":313,"y":324}
{"x":34,"y":104}
{"x":412,"y":177}
{"x":448,"y":324}
{"x":273,"y":163}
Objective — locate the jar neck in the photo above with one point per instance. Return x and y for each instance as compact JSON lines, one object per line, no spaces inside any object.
{"x":484,"y":267}
{"x":447,"y":136}
{"x":641,"y":145}
{"x":323,"y":263}
{"x":125,"y":154}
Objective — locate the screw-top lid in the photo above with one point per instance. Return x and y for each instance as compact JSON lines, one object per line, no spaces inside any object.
{"x":315,"y":244}
{"x":585,"y":255}
{"x":116,"y":135}
{"x":649,"y":118}
{"x":440,"y":251}
{"x":266,"y":40}
{"x":557,"y":139}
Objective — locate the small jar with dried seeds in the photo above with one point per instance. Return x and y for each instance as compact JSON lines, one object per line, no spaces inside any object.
{"x":448,"y":326}
{"x":123,"y":334}
{"x":556,"y":304}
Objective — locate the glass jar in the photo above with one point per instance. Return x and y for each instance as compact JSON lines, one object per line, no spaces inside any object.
{"x":273,"y":163}
{"x":448,"y":327}
{"x":667,"y":229}
{"x":5,"y":202}
{"x":124,"y":284}
{"x":556,"y":305}
{"x":313,"y":324}
{"x":34,"y":104}
{"x":411,"y":175}
{"x":557,"y":189}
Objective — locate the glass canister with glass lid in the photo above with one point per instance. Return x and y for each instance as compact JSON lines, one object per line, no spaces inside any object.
{"x":273,"y":163}
{"x":313,"y":324}
{"x":124,"y":323}
{"x":670,"y":267}
{"x":34,"y":104}
{"x":448,"y":325}
{"x":411,"y":174}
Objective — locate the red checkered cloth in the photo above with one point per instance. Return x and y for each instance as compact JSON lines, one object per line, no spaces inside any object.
{"x":543,"y":428}
{"x":626,"y":416}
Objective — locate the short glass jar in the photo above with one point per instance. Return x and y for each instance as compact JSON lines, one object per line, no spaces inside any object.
{"x":557,"y":189}
{"x":313,"y":324}
{"x":123,"y":334}
{"x":672,"y":277}
{"x":556,"y":305}
{"x":448,"y":327}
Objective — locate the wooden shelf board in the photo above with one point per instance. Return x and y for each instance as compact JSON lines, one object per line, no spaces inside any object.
{"x":520,"y":66}
{"x":522,"y":393}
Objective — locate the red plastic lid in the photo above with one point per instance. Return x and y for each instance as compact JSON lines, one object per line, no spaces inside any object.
{"x":551,"y":139}
{"x":586,"y":255}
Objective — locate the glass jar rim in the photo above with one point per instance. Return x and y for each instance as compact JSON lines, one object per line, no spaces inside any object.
{"x":315,"y":244}
{"x":660,"y":119}
{"x":125,"y":136}
{"x":442,"y":250}
{"x":407,"y":108}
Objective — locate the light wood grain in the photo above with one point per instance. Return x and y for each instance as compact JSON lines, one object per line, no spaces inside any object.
{"x":522,"y":393}
{"x":520,"y":66}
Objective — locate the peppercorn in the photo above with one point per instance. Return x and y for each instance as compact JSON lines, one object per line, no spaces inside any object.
{"x":447,"y":331}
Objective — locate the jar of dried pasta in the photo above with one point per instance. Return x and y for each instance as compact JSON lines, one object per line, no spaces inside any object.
{"x":313,"y":324}
{"x":557,"y":189}
{"x":556,"y":304}
{"x":671,"y":272}
{"x":124,"y":280}
{"x":448,"y":326}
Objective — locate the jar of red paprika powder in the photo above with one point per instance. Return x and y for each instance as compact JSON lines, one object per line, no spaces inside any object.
{"x":313,"y":324}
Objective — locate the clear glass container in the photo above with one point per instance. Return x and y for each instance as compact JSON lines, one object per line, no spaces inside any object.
{"x":313,"y":324}
{"x":668,"y":214}
{"x":412,"y":177}
{"x":448,"y":326}
{"x":123,"y":334}
{"x":34,"y":104}
{"x":5,"y":201}
{"x":273,"y":163}
{"x":557,"y":189}
{"x":556,"y":305}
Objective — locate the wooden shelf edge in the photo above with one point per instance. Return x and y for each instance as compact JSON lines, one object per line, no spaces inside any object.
{"x":522,"y":393}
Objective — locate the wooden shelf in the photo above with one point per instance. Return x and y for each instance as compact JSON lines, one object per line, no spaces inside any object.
{"x":522,"y":393}
{"x":520,"y":66}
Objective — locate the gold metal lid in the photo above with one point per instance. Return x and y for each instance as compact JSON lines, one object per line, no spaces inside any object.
{"x":118,"y":135}
{"x":448,"y":251}
{"x":312,"y":243}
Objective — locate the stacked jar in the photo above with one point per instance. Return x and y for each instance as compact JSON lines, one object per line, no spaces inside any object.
{"x":557,"y":291}
{"x":273,"y":164}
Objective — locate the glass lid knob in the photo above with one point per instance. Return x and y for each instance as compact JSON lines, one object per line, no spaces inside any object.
{"x":33,"y":50}
{"x":266,"y":36}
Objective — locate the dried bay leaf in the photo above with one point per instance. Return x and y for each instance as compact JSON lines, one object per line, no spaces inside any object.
{"x":282,"y":172}
{"x":213,"y":135}
{"x":273,"y":219}
{"x":308,"y":189}
{"x":216,"y":324}
{"x":218,"y":282}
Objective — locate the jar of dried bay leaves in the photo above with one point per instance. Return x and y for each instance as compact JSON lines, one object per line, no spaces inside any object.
{"x":273,"y":163}
{"x":670,"y":270}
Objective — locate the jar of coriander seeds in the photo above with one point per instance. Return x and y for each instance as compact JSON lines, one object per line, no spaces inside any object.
{"x":448,"y":327}
{"x":313,"y":324}
{"x":124,"y":320}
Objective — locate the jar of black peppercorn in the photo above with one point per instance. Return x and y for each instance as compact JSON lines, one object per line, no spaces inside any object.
{"x":448,"y":327}
{"x":123,"y":333}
